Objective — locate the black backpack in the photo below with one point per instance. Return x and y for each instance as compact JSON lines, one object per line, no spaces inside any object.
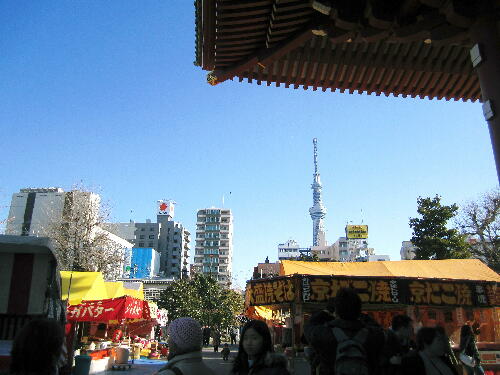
{"x":351,"y":358}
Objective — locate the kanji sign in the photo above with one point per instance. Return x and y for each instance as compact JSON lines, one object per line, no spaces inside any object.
{"x":403,"y":291}
{"x":272,"y":292}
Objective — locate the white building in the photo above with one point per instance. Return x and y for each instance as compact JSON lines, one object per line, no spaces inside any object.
{"x":288,"y":250}
{"x":407,"y":250}
{"x":214,"y":244}
{"x":33,"y":210}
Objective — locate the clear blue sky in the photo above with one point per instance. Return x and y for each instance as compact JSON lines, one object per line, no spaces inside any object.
{"x":105,"y":92}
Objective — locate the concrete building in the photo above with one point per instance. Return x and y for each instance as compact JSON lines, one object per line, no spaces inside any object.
{"x":214,"y":244}
{"x":170,"y":238}
{"x":373,"y":258}
{"x":266,"y":269}
{"x":325,"y":253}
{"x":407,"y":250}
{"x":33,"y":210}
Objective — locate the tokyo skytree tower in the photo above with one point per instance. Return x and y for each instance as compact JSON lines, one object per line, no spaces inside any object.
{"x":317,"y":211}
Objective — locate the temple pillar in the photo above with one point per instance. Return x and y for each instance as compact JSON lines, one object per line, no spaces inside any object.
{"x":485,"y":57}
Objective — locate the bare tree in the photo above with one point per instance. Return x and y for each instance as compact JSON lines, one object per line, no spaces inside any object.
{"x":480,"y":220}
{"x":81,"y":243}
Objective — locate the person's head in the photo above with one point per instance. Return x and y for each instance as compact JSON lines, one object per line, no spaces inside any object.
{"x":256,"y":339}
{"x":37,"y":347}
{"x":255,"y":342}
{"x":402,"y":326}
{"x":465,"y":331}
{"x":432,"y":340}
{"x":184,"y":336}
{"x":330,"y":305}
{"x":347,"y":304}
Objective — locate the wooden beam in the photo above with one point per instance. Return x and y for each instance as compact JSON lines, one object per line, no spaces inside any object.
{"x":263,"y":57}
{"x":208,"y":26}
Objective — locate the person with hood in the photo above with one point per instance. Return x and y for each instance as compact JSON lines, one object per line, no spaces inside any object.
{"x":255,"y":353}
{"x":185,"y":343}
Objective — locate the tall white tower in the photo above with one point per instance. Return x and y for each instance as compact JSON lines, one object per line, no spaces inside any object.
{"x":317,"y":211}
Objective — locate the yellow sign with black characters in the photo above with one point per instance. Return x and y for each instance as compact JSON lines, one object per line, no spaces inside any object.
{"x":356,"y":231}
{"x":270,"y":292}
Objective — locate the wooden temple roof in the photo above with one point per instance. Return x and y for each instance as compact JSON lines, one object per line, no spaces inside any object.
{"x":400,"y":47}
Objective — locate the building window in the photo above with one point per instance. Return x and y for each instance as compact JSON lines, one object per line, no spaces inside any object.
{"x":151,"y":229}
{"x":150,"y":244}
{"x":141,"y":244}
{"x":151,"y":236}
{"x":143,"y":229}
{"x":142,"y":236}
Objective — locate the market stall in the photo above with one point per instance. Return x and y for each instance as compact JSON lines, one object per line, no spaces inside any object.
{"x":445,"y":292}
{"x":97,"y":311}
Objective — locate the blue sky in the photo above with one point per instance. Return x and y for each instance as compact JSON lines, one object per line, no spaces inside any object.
{"x":107,"y":93}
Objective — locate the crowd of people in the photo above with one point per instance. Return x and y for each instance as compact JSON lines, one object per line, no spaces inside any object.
{"x":344,"y":341}
{"x":340,"y":340}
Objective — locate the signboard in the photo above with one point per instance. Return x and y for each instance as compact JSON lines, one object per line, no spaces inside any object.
{"x":403,"y":291}
{"x":166,"y":208}
{"x":108,"y":309}
{"x":271,"y":292}
{"x":356,"y":231}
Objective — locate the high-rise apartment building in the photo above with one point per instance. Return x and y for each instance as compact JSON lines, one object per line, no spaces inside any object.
{"x":214,"y":244}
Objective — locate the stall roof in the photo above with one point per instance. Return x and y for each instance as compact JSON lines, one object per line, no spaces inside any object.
{"x":416,"y":47}
{"x":457,"y":269}
{"x":90,"y":286}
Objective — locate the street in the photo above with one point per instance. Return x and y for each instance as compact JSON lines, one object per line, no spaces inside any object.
{"x":212,"y":359}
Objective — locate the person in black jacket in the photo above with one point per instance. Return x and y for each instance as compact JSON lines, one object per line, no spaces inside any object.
{"x":397,"y":344}
{"x":348,"y":310}
{"x":256,"y":354}
{"x":430,"y":357}
{"x":468,"y":347}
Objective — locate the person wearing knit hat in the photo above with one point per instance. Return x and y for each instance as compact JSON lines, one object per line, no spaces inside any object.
{"x":185,"y":342}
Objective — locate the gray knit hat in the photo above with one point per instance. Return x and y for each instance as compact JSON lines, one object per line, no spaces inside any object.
{"x":186,"y":334}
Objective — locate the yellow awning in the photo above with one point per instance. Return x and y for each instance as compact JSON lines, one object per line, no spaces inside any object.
{"x":84,"y":286}
{"x":459,"y":269}
{"x":91,"y":286}
{"x":259,"y":312}
{"x":134,"y":289}
{"x":114,"y":289}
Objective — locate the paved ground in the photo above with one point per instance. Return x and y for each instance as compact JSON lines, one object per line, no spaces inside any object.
{"x":212,"y":359}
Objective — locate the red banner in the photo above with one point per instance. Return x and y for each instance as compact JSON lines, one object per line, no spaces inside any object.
{"x":108,"y":309}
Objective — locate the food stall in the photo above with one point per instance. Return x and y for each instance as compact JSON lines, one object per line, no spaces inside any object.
{"x":93,"y":306}
{"x":446,"y":292}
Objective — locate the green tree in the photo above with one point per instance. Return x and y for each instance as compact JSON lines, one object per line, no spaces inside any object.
{"x":431,"y":235}
{"x":308,"y":258}
{"x":480,"y":221}
{"x":202,"y":298}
